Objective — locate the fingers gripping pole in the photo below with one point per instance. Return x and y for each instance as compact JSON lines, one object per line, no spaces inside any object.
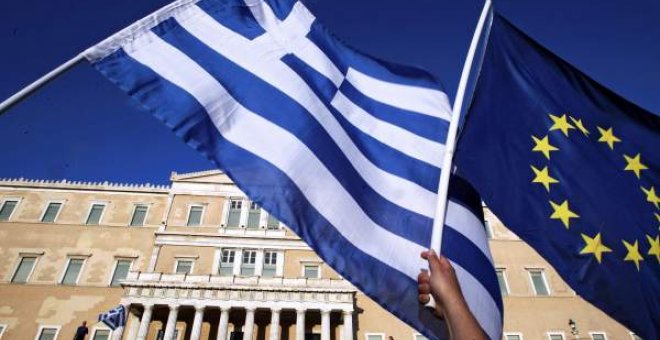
{"x":443,"y":186}
{"x":26,"y":91}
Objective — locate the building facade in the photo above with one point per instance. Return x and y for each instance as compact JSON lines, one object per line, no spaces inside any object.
{"x":198,"y":260}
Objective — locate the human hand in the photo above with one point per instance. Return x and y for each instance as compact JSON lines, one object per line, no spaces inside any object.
{"x":441,"y":283}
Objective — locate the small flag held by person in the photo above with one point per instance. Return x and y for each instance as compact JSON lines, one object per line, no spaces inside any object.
{"x":573,"y":169}
{"x":345,"y":149}
{"x":114,"y":318}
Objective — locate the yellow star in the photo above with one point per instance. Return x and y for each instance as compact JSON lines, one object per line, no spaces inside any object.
{"x":560,"y":123}
{"x":634,"y":164}
{"x":651,"y":197}
{"x":594,"y":246}
{"x":607,"y":136}
{"x":580,"y":126}
{"x":633,"y":253}
{"x":543,"y":177}
{"x":562,"y":212}
{"x":654,"y":246}
{"x":543,"y":145}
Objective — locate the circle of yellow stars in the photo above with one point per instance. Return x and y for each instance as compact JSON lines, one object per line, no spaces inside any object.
{"x":561,"y":210}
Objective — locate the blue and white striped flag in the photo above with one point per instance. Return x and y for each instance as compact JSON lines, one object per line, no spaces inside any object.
{"x":114,"y":318}
{"x":345,"y":149}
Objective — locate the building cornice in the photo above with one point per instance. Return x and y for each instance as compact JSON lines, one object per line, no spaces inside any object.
{"x":22,"y":183}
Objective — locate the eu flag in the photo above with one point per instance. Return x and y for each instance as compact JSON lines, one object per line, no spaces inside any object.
{"x":572,"y":169}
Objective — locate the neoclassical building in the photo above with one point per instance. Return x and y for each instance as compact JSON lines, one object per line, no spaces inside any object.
{"x":198,"y":260}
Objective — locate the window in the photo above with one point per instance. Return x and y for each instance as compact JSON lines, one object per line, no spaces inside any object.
{"x":501,"y":279}
{"x":2,"y":330}
{"x":489,"y":228}
{"x":94,"y":217}
{"x":598,"y":336}
{"x":6,"y":211}
{"x":25,"y":267}
{"x":513,"y":336}
{"x":121,"y":272}
{"x":253,"y":216}
{"x":272,"y":222}
{"x":538,"y":282}
{"x":633,"y":336}
{"x":72,"y":272}
{"x":234,"y":217}
{"x":195,"y":215}
{"x":101,"y":334}
{"x":184,"y":266}
{"x":418,"y":336}
{"x":311,"y":271}
{"x":139,"y":215}
{"x":48,"y":333}
{"x":249,"y":259}
{"x":374,"y":336}
{"x":555,"y":336}
{"x":227,"y":262}
{"x":51,"y":212}
{"x":161,"y":334}
{"x":270,"y":264}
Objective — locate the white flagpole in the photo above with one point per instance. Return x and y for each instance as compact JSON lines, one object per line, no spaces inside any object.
{"x":443,"y":186}
{"x":37,"y":84}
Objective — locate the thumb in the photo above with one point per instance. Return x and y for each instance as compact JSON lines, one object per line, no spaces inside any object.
{"x":434,"y":261}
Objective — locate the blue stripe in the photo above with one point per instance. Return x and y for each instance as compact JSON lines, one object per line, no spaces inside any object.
{"x":383,"y":156}
{"x":267,"y":101}
{"x":461,"y":192}
{"x":281,"y":8}
{"x":461,"y":250}
{"x":272,"y":189}
{"x":344,"y":56}
{"x":233,"y":14}
{"x":422,"y":125}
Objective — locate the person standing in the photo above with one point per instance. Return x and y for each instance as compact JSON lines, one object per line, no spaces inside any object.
{"x":81,"y":332}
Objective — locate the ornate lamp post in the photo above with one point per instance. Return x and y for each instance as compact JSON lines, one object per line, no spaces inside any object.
{"x":574,"y":329}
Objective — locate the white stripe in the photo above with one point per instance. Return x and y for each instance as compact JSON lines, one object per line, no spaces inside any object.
{"x":412,"y":98}
{"x":481,"y":304}
{"x":265,"y":140}
{"x":402,"y":192}
{"x":292,"y":35}
{"x":463,"y":221}
{"x":389,"y":134}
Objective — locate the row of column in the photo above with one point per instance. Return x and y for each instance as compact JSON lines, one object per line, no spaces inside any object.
{"x":248,"y":327}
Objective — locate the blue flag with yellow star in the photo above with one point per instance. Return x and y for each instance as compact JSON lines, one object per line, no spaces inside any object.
{"x":572,"y":169}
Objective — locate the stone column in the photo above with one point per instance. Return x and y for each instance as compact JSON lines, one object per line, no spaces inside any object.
{"x":325,"y":324}
{"x":171,"y":322}
{"x":144,"y":323}
{"x":275,"y":324}
{"x":248,"y":328}
{"x":348,"y":325}
{"x":132,"y":325}
{"x":224,"y":323}
{"x":197,"y":323}
{"x":154,"y":258}
{"x":300,"y":324}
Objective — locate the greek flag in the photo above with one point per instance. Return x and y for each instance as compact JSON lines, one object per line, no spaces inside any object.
{"x":345,"y":149}
{"x":114,"y":318}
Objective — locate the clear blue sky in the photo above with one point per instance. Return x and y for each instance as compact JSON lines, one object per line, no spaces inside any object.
{"x":82,"y":128}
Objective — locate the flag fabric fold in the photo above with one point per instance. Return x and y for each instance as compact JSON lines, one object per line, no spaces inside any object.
{"x":114,"y":318}
{"x":572,"y":169}
{"x":343,"y":148}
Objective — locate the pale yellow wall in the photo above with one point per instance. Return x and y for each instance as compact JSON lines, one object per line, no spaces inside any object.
{"x":76,"y":205}
{"x":178,"y":215}
{"x":294,"y":259}
{"x":374,"y":319}
{"x":24,"y":307}
{"x":203,"y":257}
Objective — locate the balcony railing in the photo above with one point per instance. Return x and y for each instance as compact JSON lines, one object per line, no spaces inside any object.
{"x":280,"y":283}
